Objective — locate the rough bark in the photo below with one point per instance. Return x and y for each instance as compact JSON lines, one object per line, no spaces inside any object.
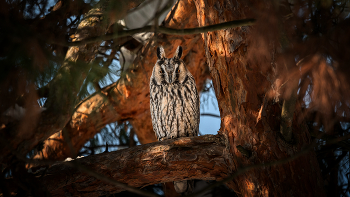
{"x":128,"y":98}
{"x":203,"y":157}
{"x":250,"y":120}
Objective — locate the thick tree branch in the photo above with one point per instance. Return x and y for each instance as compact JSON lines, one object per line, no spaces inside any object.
{"x":202,"y":157}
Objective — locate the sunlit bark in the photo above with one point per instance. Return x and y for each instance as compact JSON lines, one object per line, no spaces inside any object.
{"x":251,"y":120}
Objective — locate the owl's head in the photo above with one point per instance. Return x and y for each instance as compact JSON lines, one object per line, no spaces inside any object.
{"x":169,"y":70}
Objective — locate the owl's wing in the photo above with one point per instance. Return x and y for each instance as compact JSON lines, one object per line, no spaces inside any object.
{"x":195,"y":105}
{"x":153,"y":107}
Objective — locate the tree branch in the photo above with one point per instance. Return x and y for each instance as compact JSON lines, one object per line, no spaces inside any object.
{"x":163,"y":30}
{"x":202,"y":157}
{"x":211,"y":115}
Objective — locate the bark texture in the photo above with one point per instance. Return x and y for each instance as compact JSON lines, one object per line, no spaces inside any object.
{"x":203,"y":157}
{"x":249,"y":119}
{"x":128,"y":98}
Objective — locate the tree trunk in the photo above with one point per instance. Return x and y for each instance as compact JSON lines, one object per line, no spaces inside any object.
{"x":249,"y":119}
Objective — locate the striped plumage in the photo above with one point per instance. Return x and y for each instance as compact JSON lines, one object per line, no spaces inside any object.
{"x":174,"y":103}
{"x":174,"y":98}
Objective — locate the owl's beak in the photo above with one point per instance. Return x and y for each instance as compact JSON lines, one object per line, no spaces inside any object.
{"x":169,"y":70}
{"x":170,"y":78}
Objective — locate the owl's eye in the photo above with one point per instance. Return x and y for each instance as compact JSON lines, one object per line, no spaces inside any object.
{"x":178,"y":71}
{"x":160,"y":71}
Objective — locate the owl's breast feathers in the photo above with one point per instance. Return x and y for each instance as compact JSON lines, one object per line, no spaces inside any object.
{"x":175,"y":109}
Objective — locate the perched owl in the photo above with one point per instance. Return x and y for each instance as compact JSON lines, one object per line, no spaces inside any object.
{"x":174,"y":98}
{"x":174,"y":102}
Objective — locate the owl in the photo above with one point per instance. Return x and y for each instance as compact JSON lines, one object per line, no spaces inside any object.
{"x":174,"y":103}
{"x":174,"y":98}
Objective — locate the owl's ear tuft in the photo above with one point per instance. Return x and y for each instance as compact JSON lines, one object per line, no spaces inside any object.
{"x":160,"y":52}
{"x":178,"y":53}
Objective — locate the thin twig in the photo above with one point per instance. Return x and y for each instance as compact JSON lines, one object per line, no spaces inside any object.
{"x":212,"y":115}
{"x":103,"y":146}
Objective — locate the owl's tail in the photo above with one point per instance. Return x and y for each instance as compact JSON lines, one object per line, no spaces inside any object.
{"x":184,"y":187}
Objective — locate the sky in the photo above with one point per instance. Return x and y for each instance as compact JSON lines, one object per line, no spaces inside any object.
{"x":209,"y":105}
